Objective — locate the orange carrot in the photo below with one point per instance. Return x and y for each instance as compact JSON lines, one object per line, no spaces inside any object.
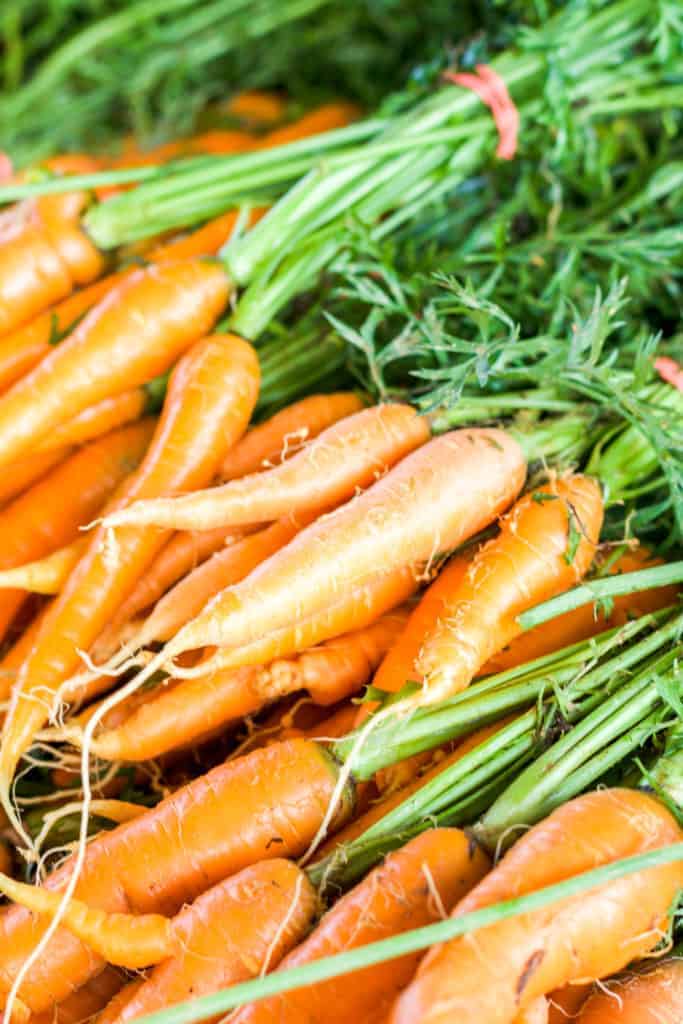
{"x":209,"y":402}
{"x":586,"y":621}
{"x":323,"y":119}
{"x":546,"y":544}
{"x":410,"y":889}
{"x":535,"y":1013}
{"x":269,"y":803}
{"x":565,"y":1003}
{"x":258,"y":106}
{"x":13,"y":659}
{"x":98,"y":419}
{"x":192,"y":709}
{"x":434,"y":499}
{"x":652,"y":996}
{"x":286,"y":432}
{"x":18,"y":476}
{"x":85,"y":1002}
{"x":164,"y":308}
{"x":46,"y":575}
{"x":73,"y":492}
{"x":347,"y":456}
{"x":23,"y":348}
{"x":501,"y":970}
{"x":204,"y":241}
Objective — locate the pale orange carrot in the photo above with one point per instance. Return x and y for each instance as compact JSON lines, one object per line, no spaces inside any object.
{"x":18,"y":476}
{"x":46,"y":575}
{"x":98,"y":419}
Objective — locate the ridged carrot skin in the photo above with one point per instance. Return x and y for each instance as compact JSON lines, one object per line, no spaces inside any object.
{"x":210,"y":399}
{"x":74,"y":492}
{"x":98,"y":419}
{"x":546,"y":545}
{"x":166,"y":309}
{"x":434,"y":499}
{"x":395,"y":897}
{"x":348,"y":456}
{"x":23,"y":348}
{"x":188,"y":711}
{"x":269,"y":803}
{"x":495,"y":973}
{"x":270,"y":443}
{"x":653,"y":996}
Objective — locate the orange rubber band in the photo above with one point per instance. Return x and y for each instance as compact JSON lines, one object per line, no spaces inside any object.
{"x":492,"y":90}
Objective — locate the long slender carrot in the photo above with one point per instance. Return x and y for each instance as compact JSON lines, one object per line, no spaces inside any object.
{"x":258,"y":106}
{"x":412,"y":888}
{"x":586,"y":621}
{"x":322,"y":119}
{"x":46,"y":575}
{"x":507,"y":965}
{"x":13,"y":659}
{"x":23,"y":348}
{"x":653,"y":996}
{"x":433,"y":500}
{"x":269,"y":803}
{"x":347,"y":456}
{"x":286,"y":432}
{"x":98,"y":419}
{"x":210,"y":398}
{"x":73,"y":493}
{"x":204,"y":241}
{"x":546,"y":544}
{"x":193,"y":709}
{"x":18,"y":476}
{"x":164,"y":308}
{"x":85,"y":1002}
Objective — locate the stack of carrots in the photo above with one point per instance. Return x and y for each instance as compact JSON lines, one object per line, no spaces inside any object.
{"x":206,"y":614}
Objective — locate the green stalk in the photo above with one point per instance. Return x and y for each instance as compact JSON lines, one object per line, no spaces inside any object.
{"x":409,"y":942}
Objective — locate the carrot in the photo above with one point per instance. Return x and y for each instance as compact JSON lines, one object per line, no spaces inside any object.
{"x":45,"y":575}
{"x":98,"y":419}
{"x":412,"y":887}
{"x":565,"y":1003}
{"x":585,"y":622}
{"x":323,"y":119}
{"x":73,"y":492}
{"x":546,"y":544}
{"x":502,"y":969}
{"x":269,"y":803}
{"x":44,"y":255}
{"x":204,"y":241}
{"x":164,"y":308}
{"x":20,"y":475}
{"x":535,"y":1013}
{"x":210,"y":398}
{"x":435,"y":498}
{"x":653,"y":996}
{"x":347,"y":456}
{"x":258,"y":106}
{"x":85,"y":1002}
{"x":188,"y":711}
{"x":24,"y":347}
{"x":286,"y":432}
{"x":12,"y":660}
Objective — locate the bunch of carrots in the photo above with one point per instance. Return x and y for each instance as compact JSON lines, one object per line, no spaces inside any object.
{"x":301,"y":681}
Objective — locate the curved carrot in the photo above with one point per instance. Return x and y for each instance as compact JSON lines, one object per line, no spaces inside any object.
{"x":266,"y":804}
{"x":73,"y":493}
{"x":347,"y":456}
{"x":586,"y":621}
{"x":23,"y":348}
{"x":283,"y":434}
{"x":654,"y":996}
{"x":165,"y":309}
{"x":46,"y":575}
{"x":209,"y":402}
{"x":98,"y":419}
{"x":323,"y":119}
{"x":85,"y":1002}
{"x":204,"y":241}
{"x":18,"y":476}
{"x":434,"y":499}
{"x":546,"y":544}
{"x":412,"y":887}
{"x":509,"y":964}
{"x":190,"y":710}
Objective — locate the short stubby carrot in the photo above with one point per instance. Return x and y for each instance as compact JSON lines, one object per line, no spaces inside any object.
{"x":410,"y":889}
{"x":188,"y":711}
{"x":282,"y":435}
{"x":210,"y":398}
{"x":24,"y":347}
{"x":496,"y":972}
{"x":433,"y":500}
{"x":74,"y":492}
{"x":586,"y":621}
{"x":166,"y":309}
{"x":267,"y":804}
{"x":546,"y":545}
{"x":651,"y":996}
{"x":348,"y":456}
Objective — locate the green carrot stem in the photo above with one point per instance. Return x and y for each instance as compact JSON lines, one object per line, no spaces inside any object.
{"x":409,"y":942}
{"x":599,"y":590}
